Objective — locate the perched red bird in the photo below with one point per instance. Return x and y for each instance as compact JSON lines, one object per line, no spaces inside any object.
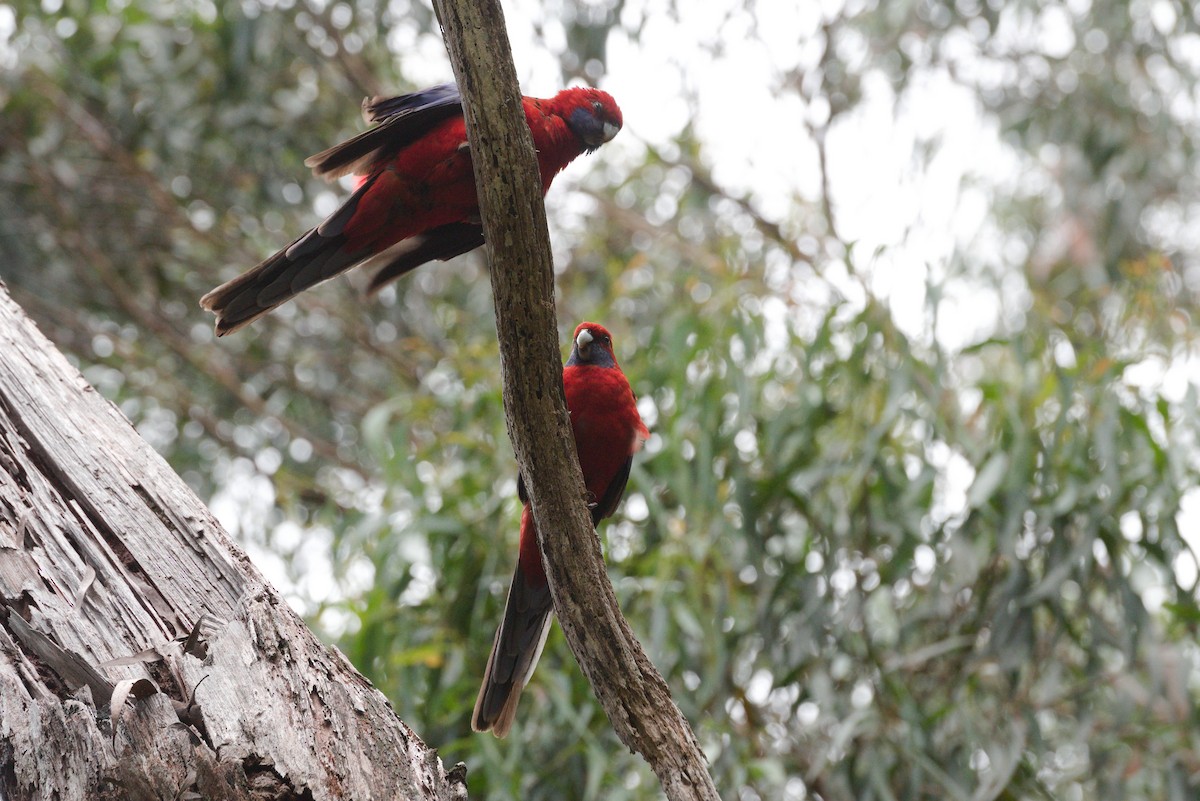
{"x":608,"y":431}
{"x":417,"y":199}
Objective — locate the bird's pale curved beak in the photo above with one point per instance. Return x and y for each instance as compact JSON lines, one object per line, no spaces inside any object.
{"x":583,"y":342}
{"x":610,"y":130}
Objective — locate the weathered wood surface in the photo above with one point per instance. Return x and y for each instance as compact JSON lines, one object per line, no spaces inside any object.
{"x":104,"y":553}
{"x":629,"y":688}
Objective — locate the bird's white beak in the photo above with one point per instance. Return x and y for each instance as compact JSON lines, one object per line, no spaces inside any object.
{"x":610,"y":131}
{"x":583,"y":340}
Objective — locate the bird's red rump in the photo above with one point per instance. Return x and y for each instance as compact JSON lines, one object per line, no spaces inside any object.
{"x":530,"y":558}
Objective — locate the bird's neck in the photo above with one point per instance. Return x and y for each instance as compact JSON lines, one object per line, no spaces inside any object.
{"x":556,"y":144}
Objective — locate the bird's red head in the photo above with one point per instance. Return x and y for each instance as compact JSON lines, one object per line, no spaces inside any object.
{"x":591,"y":114}
{"x":592,"y":345}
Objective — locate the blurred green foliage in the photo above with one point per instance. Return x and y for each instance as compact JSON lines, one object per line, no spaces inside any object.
{"x":870,"y":565}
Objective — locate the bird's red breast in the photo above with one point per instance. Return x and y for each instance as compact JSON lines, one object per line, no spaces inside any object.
{"x":605,"y":420}
{"x":607,"y":427}
{"x":608,"y":430}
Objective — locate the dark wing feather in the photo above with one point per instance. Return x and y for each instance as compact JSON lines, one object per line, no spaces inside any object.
{"x":603,"y":507}
{"x":402,"y":120}
{"x":440,"y":244}
{"x":379,"y":109}
{"x":606,"y":505}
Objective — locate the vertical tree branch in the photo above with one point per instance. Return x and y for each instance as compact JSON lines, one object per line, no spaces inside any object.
{"x":629,"y":688}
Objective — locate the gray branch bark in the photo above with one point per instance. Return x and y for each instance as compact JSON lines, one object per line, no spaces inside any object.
{"x":106,"y":554}
{"x":629,"y":688}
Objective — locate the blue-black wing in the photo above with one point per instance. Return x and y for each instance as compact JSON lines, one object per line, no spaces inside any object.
{"x":599,"y":507}
{"x":402,"y":120}
{"x":441,"y":244}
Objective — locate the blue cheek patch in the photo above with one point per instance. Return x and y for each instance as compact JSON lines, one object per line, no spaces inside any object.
{"x":585,"y":125}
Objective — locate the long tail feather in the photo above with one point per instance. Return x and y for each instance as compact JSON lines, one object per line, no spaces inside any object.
{"x":275,"y":281}
{"x":315,"y":256}
{"x":517,"y":647}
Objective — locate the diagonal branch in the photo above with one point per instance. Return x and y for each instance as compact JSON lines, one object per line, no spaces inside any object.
{"x":629,"y":688}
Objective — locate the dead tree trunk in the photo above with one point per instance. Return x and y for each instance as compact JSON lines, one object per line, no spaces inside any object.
{"x":105,"y":553}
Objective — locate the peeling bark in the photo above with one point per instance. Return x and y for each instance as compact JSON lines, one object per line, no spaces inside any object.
{"x":105,"y":554}
{"x":629,"y":688}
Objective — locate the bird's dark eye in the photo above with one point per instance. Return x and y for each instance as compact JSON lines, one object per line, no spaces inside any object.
{"x":596,"y":106}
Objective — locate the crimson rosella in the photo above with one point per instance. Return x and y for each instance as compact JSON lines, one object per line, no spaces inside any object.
{"x":416,"y":201}
{"x":608,"y":431}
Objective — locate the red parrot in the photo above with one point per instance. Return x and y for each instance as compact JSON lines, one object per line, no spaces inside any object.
{"x":416,"y":201}
{"x":608,"y":431}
